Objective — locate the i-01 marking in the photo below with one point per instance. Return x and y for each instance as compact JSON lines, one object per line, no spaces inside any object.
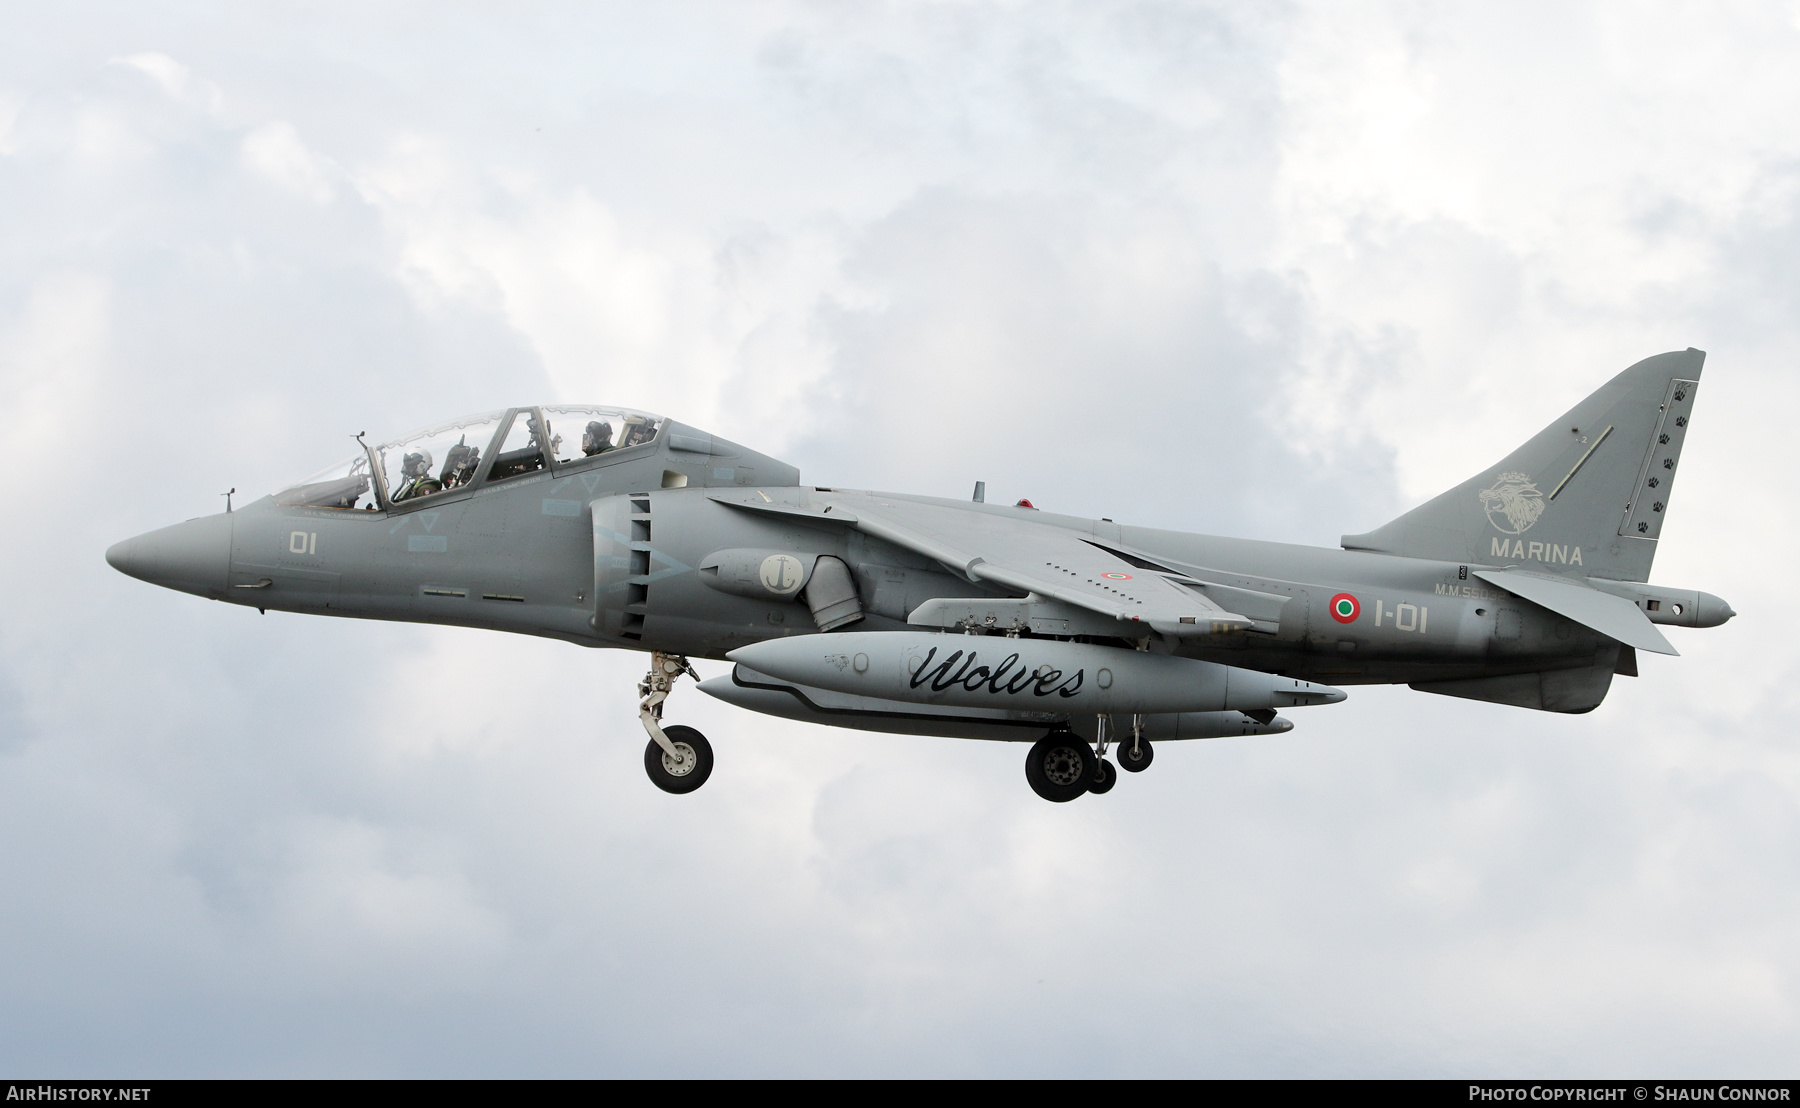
{"x":1406,"y":617}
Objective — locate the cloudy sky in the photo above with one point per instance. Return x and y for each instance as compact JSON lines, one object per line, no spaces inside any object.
{"x":1268,"y":270}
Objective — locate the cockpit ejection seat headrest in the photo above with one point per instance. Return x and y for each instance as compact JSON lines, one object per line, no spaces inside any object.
{"x":637,"y":429}
{"x":459,"y":463}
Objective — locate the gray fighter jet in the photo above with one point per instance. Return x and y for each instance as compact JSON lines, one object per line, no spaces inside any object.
{"x":1525,"y":585}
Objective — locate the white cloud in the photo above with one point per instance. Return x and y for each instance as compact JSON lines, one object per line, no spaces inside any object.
{"x":626,"y":311}
{"x":360,"y":902}
{"x":53,"y":356}
{"x":11,"y":105}
{"x":276,"y":151}
{"x":177,"y":81}
{"x":1484,"y":201}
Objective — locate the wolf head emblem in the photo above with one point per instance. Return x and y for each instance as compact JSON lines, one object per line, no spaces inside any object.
{"x":1513,"y":503}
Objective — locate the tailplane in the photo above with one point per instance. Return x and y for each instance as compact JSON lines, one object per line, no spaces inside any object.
{"x":1587,"y":495}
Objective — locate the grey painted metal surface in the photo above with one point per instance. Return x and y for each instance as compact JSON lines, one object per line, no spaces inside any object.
{"x":760,"y":692}
{"x":1613,"y":616}
{"x":981,"y":671}
{"x":1525,"y":585}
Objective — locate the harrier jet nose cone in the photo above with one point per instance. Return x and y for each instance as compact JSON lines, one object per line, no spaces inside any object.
{"x":192,"y":557}
{"x":118,"y":556}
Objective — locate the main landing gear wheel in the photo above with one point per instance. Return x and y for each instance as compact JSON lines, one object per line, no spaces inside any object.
{"x":1134,"y":757}
{"x":1105,"y":777}
{"x":688,"y":771}
{"x":1060,"y":767}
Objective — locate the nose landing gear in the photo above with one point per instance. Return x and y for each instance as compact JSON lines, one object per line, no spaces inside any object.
{"x":685,"y":770}
{"x":678,"y":759}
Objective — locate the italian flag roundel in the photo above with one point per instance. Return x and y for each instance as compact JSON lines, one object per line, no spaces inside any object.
{"x":1344,"y":608}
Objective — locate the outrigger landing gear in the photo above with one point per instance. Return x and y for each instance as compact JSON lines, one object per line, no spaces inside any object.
{"x":678,"y":759}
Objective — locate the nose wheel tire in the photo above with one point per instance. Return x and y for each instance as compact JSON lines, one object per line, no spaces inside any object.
{"x":1105,"y":777}
{"x":685,"y":774}
{"x":1134,"y":760}
{"x":1060,"y":767}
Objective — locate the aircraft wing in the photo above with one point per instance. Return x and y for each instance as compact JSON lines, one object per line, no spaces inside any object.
{"x":1612,"y":616}
{"x":1020,"y":553}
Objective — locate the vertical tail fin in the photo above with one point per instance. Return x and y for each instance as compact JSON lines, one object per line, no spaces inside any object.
{"x":1587,"y":495}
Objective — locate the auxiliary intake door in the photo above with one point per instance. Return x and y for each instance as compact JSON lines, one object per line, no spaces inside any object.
{"x":621,"y":564}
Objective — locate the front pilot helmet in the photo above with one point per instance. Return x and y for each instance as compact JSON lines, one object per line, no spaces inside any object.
{"x":596,"y":436}
{"x":416,"y":464}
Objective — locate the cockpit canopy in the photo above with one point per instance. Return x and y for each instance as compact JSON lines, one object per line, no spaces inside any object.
{"x":476,"y":449}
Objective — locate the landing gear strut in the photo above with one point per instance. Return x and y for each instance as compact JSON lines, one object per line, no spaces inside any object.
{"x":678,"y":759}
{"x":1135,"y":755}
{"x":1105,"y":776}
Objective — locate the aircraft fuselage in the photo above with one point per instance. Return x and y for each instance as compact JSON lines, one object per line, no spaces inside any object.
{"x":608,"y":527}
{"x":520,"y":558}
